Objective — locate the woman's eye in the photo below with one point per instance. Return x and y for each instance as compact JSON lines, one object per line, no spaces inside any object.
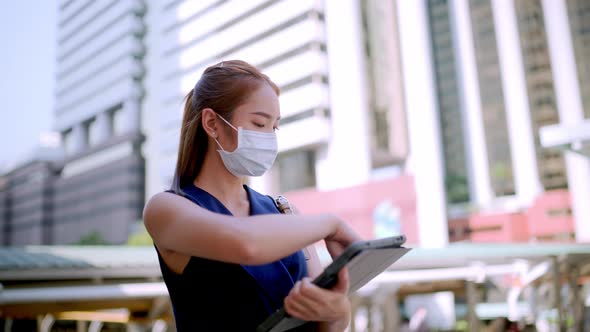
{"x":258,"y":125}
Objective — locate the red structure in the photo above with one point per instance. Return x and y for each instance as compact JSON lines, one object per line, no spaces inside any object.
{"x":356,"y":205}
{"x":501,"y":227}
{"x":549,"y":218}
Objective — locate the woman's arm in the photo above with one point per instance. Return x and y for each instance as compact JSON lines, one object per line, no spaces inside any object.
{"x":340,"y":302}
{"x":179,"y":225}
{"x":314,"y":266}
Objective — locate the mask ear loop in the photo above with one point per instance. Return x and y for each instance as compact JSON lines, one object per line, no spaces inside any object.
{"x":219,"y":145}
{"x":224,"y":120}
{"x":229,"y":124}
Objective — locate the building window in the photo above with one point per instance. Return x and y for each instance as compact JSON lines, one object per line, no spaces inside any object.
{"x":387,"y":118}
{"x":492,"y":98}
{"x":296,"y":170}
{"x":66,"y":138}
{"x":451,"y":123}
{"x":117,"y":121}
{"x":86,"y":134}
{"x":579,"y":19}
{"x":535,"y":52}
{"x":93,"y":134}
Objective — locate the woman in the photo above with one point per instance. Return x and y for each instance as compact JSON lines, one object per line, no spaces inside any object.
{"x":228,"y":258}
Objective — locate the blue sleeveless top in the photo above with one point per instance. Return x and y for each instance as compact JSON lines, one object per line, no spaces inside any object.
{"x":216,"y":296}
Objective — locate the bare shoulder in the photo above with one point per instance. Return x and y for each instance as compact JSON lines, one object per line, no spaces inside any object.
{"x":160,"y":208}
{"x":158,"y":204}
{"x":166,"y":206}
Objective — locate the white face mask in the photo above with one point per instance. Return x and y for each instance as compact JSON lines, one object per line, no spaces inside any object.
{"x":254,"y":155}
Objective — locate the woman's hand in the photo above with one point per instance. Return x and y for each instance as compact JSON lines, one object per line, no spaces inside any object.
{"x":309,"y":302}
{"x":340,"y":239}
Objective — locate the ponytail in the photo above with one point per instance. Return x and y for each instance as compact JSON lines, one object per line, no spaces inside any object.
{"x":192,"y":146}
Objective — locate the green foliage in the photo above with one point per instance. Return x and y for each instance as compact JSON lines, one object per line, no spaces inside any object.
{"x":462,"y":325}
{"x":92,"y":238}
{"x":140,"y":237}
{"x":501,"y":171}
{"x":457,"y":189}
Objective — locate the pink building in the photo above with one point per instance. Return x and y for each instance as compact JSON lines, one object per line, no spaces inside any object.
{"x":357,"y":204}
{"x":549,"y":218}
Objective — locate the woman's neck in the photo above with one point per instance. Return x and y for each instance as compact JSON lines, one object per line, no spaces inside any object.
{"x":218,"y":181}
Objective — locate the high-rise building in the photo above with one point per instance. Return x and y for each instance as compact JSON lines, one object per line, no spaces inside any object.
{"x":98,"y":98}
{"x":578,"y":12}
{"x":541,"y":95}
{"x":412,"y":112}
{"x":510,"y":45}
{"x":452,"y":129}
{"x":451,"y":93}
{"x":94,"y":190}
{"x":492,"y":98}
{"x":341,"y":125}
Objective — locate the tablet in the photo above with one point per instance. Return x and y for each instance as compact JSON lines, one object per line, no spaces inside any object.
{"x":364,"y":260}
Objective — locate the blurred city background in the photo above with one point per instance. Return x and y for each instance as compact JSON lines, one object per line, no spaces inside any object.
{"x":464,"y":124}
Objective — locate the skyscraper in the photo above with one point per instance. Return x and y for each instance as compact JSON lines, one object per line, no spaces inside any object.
{"x":364,"y":102}
{"x":441,"y":100}
{"x":98,"y":95}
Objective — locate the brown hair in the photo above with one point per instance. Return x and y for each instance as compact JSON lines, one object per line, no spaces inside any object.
{"x":222,"y":87}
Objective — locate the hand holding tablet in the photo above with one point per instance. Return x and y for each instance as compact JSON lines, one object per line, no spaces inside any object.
{"x":364,"y":260}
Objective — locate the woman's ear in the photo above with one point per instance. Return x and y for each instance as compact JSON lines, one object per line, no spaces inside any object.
{"x":209,"y":122}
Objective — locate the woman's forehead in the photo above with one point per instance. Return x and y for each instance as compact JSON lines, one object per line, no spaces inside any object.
{"x":261,"y":103}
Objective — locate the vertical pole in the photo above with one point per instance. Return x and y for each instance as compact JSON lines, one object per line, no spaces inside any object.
{"x":391,"y":312}
{"x":520,"y":131}
{"x":472,"y":299}
{"x":81,"y":326}
{"x":557,"y":291}
{"x":426,"y":160}
{"x":8,"y":325}
{"x":570,"y":108}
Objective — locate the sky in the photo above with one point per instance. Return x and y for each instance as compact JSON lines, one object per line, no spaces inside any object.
{"x":27,"y":73}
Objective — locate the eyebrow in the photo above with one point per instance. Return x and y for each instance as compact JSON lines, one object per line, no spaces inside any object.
{"x":266,"y":115}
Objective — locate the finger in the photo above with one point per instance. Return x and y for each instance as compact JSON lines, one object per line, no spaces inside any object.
{"x":323,"y":305}
{"x":304,"y":293}
{"x":291,"y":301}
{"x":343,"y":281}
{"x":335,"y":249}
{"x":297,"y":309}
{"x":296,"y":289}
{"x":311,"y":293}
{"x":314,"y":303}
{"x":301,"y":303}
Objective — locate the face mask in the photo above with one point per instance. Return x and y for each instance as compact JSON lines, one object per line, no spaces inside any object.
{"x":255,"y":154}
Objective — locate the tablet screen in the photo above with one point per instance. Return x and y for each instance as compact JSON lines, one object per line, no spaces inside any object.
{"x":369,"y":263}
